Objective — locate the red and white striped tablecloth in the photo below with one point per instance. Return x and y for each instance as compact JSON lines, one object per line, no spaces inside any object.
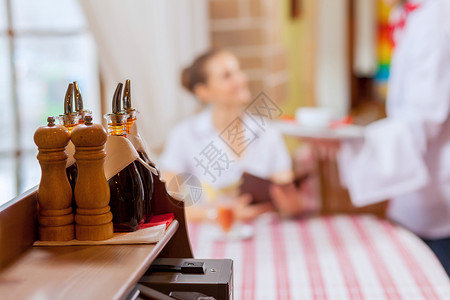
{"x":333,"y":257}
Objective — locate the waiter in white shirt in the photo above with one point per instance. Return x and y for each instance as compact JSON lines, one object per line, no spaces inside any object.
{"x":406,"y":156}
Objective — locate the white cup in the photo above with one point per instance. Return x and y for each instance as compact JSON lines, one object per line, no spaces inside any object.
{"x":314,"y":117}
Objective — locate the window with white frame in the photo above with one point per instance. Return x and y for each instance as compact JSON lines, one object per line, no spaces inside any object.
{"x":44,"y":45}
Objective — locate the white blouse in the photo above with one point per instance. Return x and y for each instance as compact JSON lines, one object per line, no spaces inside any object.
{"x":196,"y":147}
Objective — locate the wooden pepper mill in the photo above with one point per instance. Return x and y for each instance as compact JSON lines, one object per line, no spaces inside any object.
{"x":54,"y":194}
{"x":93,"y":218}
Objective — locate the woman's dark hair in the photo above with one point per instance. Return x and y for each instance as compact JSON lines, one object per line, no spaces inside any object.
{"x":195,"y":73}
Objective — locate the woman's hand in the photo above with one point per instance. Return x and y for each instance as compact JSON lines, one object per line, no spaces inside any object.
{"x":243,"y":210}
{"x":291,"y":201}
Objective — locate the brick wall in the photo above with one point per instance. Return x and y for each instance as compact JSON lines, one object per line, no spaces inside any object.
{"x":251,"y":29}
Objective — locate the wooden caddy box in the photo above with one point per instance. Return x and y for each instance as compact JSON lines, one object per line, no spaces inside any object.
{"x":96,"y":272}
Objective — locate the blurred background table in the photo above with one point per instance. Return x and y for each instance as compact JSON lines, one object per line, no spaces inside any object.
{"x":329,"y":257}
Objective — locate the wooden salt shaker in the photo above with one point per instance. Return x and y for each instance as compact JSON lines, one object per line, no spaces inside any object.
{"x":93,"y":218}
{"x":54,"y":194}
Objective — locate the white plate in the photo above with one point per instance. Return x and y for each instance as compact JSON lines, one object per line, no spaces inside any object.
{"x":238,"y":232}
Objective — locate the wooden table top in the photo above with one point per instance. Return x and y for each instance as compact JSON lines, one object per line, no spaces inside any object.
{"x":79,"y":272}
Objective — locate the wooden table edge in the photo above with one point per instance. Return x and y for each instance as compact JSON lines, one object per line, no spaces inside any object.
{"x":122,"y":291}
{"x":134,"y":278}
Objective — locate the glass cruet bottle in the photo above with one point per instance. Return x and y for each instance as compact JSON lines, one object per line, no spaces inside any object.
{"x":146,"y":174}
{"x":127,"y":192}
{"x":70,"y":119}
{"x":83,"y":113}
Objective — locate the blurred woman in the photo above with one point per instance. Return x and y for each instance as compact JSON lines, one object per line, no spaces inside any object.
{"x":222,"y":142}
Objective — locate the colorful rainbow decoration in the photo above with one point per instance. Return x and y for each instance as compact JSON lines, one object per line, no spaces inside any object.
{"x":385,"y":47}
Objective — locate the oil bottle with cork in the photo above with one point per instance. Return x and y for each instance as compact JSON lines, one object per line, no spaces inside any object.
{"x":126,"y":188}
{"x":145,"y":173}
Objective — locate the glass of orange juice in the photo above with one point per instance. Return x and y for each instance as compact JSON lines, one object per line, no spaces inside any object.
{"x":225,"y":213}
